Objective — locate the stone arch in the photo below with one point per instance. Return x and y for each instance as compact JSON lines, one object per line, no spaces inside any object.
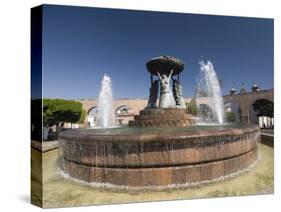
{"x":92,"y":110}
{"x":123,"y":114}
{"x":261,"y":111}
{"x":228,"y":106}
{"x":261,"y":97}
{"x":123,"y":110}
{"x":92,"y":116}
{"x":246,"y":100}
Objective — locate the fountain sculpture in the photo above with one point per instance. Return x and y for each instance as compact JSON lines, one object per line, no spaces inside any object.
{"x":162,"y":147}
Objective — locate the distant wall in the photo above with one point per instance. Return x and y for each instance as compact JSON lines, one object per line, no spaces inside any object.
{"x":242,"y":100}
{"x":135,"y":104}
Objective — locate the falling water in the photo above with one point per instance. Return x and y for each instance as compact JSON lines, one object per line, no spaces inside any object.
{"x":105,"y":114}
{"x":209,"y":94}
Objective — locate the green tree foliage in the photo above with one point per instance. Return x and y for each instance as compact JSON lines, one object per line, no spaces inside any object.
{"x":191,"y":107}
{"x":263,"y":107}
{"x":59,"y":110}
{"x":230,"y":116}
{"x":82,"y":117}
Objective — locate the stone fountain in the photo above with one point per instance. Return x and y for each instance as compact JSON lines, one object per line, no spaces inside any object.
{"x":162,"y":147}
{"x":164,"y":114}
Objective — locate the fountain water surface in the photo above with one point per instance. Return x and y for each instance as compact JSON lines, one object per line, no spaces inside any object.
{"x":209,"y":93}
{"x":105,"y":114}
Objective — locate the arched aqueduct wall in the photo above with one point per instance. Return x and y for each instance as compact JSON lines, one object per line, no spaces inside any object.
{"x":243,"y":100}
{"x":135,"y":104}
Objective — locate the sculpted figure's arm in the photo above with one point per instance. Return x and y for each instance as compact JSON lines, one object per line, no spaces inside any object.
{"x":171,"y":73}
{"x":159,"y":76}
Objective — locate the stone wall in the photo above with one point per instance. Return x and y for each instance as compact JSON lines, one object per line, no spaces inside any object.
{"x":135,"y":104}
{"x":243,"y":100}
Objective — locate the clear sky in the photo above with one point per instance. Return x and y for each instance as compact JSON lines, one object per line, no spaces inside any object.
{"x":80,"y":44}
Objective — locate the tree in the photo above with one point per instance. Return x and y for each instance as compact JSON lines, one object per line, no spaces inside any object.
{"x":59,"y":110}
{"x":192,"y":107}
{"x":230,"y":116}
{"x":263,"y":107}
{"x":82,"y":117}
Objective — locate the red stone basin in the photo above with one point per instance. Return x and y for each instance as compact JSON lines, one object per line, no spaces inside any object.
{"x":158,"y":156}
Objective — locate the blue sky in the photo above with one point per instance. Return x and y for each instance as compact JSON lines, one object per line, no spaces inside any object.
{"x":80,"y":44}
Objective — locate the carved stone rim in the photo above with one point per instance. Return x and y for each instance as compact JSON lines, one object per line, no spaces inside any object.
{"x":82,"y":135}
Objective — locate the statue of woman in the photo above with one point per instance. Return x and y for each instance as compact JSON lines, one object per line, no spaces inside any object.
{"x":153,"y":94}
{"x":178,"y":95}
{"x":164,"y":101}
{"x":176,"y":91}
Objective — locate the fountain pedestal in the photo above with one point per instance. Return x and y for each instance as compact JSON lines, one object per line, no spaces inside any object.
{"x":163,"y":117}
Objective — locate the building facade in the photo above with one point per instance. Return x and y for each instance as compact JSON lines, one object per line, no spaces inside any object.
{"x":240,"y":103}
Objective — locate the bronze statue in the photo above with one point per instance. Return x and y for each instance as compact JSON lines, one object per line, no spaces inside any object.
{"x":153,"y":95}
{"x":178,"y":94}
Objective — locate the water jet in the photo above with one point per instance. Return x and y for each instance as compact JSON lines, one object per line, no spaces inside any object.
{"x":105,"y":113}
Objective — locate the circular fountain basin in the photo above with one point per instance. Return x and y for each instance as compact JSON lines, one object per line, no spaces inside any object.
{"x":149,"y":158}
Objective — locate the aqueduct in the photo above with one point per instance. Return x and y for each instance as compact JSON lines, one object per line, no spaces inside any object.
{"x":126,"y":108}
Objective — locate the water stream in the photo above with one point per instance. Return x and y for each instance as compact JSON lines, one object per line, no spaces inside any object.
{"x":105,"y":113}
{"x":208,"y":95}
